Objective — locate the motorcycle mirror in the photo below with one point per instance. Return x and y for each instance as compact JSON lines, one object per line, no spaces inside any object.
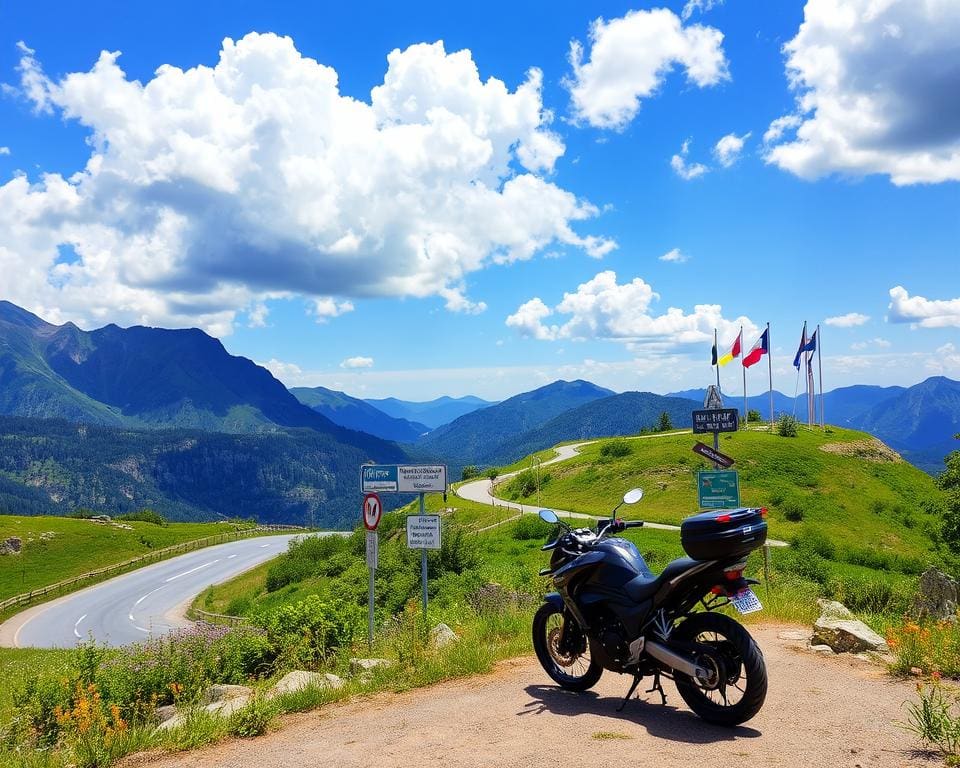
{"x":549,"y":516}
{"x":633,"y":496}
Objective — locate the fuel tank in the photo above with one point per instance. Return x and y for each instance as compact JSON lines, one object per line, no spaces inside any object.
{"x":620,"y":562}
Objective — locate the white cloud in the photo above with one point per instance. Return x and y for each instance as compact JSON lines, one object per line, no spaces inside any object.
{"x":682,"y":168}
{"x":603,"y":309}
{"x":357,"y":362}
{"x":675,"y":256}
{"x":877,"y":343}
{"x":288,"y":373}
{"x":629,"y":59}
{"x":257,"y":316}
{"x":211,"y":188}
{"x":946,"y":361}
{"x":727,"y":150}
{"x":848,"y":320}
{"x":4,"y":150}
{"x":921,"y":312}
{"x":701,"y":6}
{"x":877,"y":84}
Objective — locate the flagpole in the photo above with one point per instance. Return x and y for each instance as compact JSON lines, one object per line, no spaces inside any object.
{"x":746,"y":413}
{"x":770,"y":372}
{"x":820,"y":372}
{"x":717,"y":366}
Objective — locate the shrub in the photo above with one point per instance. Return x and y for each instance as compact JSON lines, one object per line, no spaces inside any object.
{"x":144,"y":516}
{"x":793,"y":511}
{"x":469,"y":472}
{"x":787,"y":425}
{"x":530,"y":527}
{"x":309,"y":631}
{"x":613,"y":449}
{"x":933,"y":648}
{"x":254,"y":719}
{"x":753,"y":415}
{"x":664,"y":424}
{"x":933,"y":718}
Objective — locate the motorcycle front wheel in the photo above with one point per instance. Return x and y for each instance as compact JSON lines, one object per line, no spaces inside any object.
{"x":737,"y":685}
{"x":572,"y":667}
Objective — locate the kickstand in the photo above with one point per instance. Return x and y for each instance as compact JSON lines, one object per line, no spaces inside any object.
{"x":633,"y":687}
{"x":658,"y":688}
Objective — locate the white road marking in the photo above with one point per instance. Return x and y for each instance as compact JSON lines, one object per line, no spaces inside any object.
{"x":141,"y":629}
{"x":230,"y":557}
{"x":146,"y":596}
{"x":130,"y":616}
{"x":76,"y":626}
{"x":264,"y":545}
{"x":192,"y":570}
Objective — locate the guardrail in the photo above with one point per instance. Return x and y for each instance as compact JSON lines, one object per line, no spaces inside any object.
{"x":215,"y":618}
{"x":156,"y":556}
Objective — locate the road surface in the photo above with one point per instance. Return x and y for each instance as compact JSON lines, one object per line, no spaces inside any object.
{"x":834,"y":712}
{"x":135,"y":605}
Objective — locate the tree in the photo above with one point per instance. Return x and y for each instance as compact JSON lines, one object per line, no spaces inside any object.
{"x":493,"y":473}
{"x":787,"y":426}
{"x":753,"y":415}
{"x":664,"y":424}
{"x":949,"y":481}
{"x":469,"y":472}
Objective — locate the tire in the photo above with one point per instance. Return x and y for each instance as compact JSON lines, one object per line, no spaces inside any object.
{"x":578,"y":672}
{"x":730,"y":647}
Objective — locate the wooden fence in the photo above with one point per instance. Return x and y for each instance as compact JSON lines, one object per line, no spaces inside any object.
{"x":150,"y":557}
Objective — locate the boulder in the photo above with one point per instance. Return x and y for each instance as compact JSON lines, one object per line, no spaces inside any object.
{"x":937,"y":598}
{"x":835,"y":610}
{"x":846,"y":635}
{"x":166,"y":712}
{"x":218,"y":693}
{"x":227,"y":707}
{"x":11,"y":546}
{"x":366,"y":666}
{"x":300,"y":679}
{"x":822,"y":650}
{"x":442,"y":636}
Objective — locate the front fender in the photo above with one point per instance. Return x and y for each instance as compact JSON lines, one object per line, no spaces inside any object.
{"x":554,"y":599}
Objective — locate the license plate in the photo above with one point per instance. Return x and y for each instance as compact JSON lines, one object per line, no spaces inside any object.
{"x":745,"y":601}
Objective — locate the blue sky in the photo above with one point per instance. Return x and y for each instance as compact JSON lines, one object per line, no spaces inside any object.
{"x":455,"y":232}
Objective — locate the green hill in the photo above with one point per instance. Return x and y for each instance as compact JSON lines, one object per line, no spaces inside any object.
{"x":353,"y":413}
{"x":841,"y":484}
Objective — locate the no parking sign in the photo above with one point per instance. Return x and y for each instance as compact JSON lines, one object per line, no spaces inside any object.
{"x":372,"y":510}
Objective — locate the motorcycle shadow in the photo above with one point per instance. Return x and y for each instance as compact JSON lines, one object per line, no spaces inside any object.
{"x":663,"y":721}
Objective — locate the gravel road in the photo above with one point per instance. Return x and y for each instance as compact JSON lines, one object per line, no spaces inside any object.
{"x":820,"y":713}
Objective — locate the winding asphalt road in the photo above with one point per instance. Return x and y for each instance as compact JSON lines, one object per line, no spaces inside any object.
{"x":134,"y":606}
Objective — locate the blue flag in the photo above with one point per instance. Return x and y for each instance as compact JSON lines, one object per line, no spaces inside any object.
{"x":806,"y":345}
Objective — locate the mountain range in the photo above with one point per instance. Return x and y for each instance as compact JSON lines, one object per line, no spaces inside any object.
{"x":171,"y":420}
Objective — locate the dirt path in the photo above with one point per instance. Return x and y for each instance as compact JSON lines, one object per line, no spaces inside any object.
{"x":819,"y":713}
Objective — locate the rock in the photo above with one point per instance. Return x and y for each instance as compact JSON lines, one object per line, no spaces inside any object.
{"x":846,"y":635}
{"x":11,"y":546}
{"x":229,"y":706}
{"x":166,"y":712}
{"x":219,"y":693}
{"x":937,"y":598}
{"x":797,"y":635}
{"x":442,"y":636}
{"x":835,"y":610}
{"x":365,"y":666}
{"x":300,"y":679}
{"x":823,"y":650}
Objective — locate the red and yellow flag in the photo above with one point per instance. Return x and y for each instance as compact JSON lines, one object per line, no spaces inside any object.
{"x":734,"y":350}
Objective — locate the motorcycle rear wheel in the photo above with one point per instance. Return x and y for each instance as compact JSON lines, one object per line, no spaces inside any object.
{"x":729,"y":649}
{"x":575,"y":671}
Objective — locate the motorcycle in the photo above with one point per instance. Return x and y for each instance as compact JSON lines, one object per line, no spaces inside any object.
{"x":609,"y":611}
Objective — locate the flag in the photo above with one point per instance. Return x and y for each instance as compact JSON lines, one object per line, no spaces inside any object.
{"x":713,"y":355}
{"x":758,"y":350}
{"x":734,"y":351}
{"x":806,"y":345}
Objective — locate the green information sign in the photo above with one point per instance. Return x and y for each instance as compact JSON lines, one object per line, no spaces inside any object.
{"x":717,"y":489}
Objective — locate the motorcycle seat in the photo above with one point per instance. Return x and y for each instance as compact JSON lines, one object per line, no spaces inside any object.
{"x":646,"y":585}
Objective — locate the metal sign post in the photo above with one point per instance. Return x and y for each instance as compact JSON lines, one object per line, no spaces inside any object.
{"x":423,"y":533}
{"x":371,"y":511}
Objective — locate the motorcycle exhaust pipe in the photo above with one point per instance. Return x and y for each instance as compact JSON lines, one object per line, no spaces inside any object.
{"x":675,"y":661}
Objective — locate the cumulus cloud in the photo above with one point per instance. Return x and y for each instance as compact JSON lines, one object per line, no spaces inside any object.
{"x":877,"y":343}
{"x":630,"y":57}
{"x":357,"y":362}
{"x":848,"y":320}
{"x":675,"y":256}
{"x":877,"y":85}
{"x":685,"y":170}
{"x":921,"y":312}
{"x":727,"y":150}
{"x":210,"y":188}
{"x":701,"y":6}
{"x":601,"y":308}
{"x":288,"y":373}
{"x":4,"y":150}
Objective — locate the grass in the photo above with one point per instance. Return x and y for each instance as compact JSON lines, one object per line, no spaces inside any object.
{"x":609,"y":735}
{"x":57,"y":548}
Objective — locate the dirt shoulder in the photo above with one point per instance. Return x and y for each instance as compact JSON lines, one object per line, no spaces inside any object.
{"x":820,"y":712}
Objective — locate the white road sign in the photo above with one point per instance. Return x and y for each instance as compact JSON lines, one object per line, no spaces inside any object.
{"x":423,"y":531}
{"x":422,"y":478}
{"x":373,"y":545}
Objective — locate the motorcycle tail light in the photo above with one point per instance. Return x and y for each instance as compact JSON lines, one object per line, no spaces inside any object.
{"x":722,"y":518}
{"x":763,"y":511}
